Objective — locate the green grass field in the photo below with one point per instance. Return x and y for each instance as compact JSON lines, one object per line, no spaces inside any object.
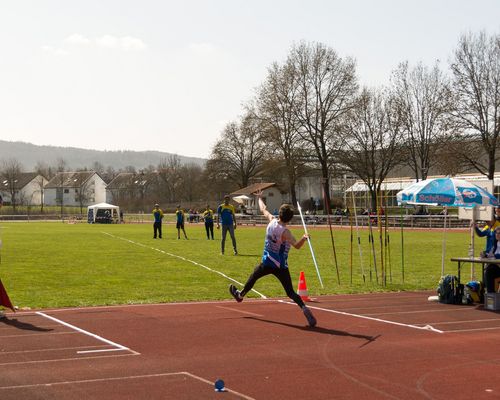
{"x":61,"y":265}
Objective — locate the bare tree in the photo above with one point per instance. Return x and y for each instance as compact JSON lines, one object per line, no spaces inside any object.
{"x":328,"y":85}
{"x":60,"y":168}
{"x":372,"y":140}
{"x":238,"y":155}
{"x":476,"y":87}
{"x":170,"y":177}
{"x":277,"y":98}
{"x":11,"y":174}
{"x":423,"y":99}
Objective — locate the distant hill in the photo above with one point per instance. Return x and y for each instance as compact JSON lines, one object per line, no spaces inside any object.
{"x":29,"y":155}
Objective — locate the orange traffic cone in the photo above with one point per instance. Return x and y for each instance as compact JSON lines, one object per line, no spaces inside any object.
{"x":302,"y":289}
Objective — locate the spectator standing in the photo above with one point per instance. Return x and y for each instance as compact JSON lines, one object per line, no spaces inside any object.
{"x":208,"y":217}
{"x":158,"y":217}
{"x":227,"y":217}
{"x":180,"y":218}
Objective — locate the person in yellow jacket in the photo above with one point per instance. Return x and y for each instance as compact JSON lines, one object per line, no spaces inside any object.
{"x":208,"y":217}
{"x":158,"y":217}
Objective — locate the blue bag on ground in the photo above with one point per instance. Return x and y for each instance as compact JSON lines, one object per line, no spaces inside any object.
{"x":449,"y":290}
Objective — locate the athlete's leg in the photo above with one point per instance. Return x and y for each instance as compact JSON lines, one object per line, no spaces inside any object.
{"x":283,"y":274}
{"x":233,"y":238}
{"x":223,"y":241}
{"x":259,"y":271}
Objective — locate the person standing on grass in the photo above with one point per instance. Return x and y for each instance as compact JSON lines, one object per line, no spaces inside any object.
{"x":274,"y":261}
{"x":180,"y":217}
{"x":158,"y":217}
{"x":208,"y":217}
{"x":227,"y":217}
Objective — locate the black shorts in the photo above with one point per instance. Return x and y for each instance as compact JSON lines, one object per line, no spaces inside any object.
{"x":180,"y":225}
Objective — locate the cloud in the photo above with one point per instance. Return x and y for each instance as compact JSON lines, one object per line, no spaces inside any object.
{"x":202,"y":48}
{"x":54,"y":50}
{"x":123,"y":43}
{"x":77,"y":39}
{"x":132,"y":43}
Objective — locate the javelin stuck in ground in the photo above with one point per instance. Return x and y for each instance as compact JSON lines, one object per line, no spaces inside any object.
{"x":310,"y":245}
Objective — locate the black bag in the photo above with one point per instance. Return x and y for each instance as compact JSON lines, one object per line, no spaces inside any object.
{"x":449,"y":290}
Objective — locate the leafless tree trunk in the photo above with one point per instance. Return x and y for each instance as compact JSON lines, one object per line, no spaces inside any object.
{"x":11,"y":173}
{"x":372,"y":140}
{"x":423,"y":99}
{"x":476,"y":87}
{"x":170,"y":176}
{"x":328,"y":84}
{"x":238,"y":155}
{"x":277,"y":98}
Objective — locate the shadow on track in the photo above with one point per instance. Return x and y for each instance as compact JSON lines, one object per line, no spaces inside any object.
{"x":320,"y":329}
{"x":23,"y":325}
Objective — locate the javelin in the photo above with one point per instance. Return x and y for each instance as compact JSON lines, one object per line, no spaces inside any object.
{"x":310,"y":246}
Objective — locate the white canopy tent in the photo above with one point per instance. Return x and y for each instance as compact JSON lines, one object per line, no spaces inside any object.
{"x":103,"y":213}
{"x":242,"y":198}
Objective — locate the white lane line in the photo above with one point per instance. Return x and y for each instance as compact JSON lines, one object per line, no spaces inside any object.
{"x":184,"y":259}
{"x":474,"y":329}
{"x":211,"y":383}
{"x":68,"y":359}
{"x":118,"y":346}
{"x":240,"y":311}
{"x":121,"y":378}
{"x":425,"y":328}
{"x":36,"y":334}
{"x":422,"y":311}
{"x":463,"y":321}
{"x":50,"y":349}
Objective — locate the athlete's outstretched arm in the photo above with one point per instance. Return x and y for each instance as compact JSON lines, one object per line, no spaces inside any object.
{"x":263,"y":208}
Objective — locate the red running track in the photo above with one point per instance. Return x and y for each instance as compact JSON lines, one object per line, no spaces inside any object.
{"x":372,"y":346}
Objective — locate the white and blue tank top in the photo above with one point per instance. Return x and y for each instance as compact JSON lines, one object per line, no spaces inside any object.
{"x":275,"y":250}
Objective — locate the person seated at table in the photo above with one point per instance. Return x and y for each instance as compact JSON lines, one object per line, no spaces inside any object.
{"x":488,"y":230}
{"x":492,"y":271}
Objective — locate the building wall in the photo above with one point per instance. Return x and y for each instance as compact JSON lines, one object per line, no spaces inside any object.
{"x":96,"y":193}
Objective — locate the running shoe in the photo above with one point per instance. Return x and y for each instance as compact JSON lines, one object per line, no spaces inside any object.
{"x":235,"y":293}
{"x":310,"y":318}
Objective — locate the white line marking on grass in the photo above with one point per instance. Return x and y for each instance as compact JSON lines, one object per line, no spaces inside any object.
{"x":121,"y":378}
{"x":240,"y":311}
{"x":118,"y":346}
{"x":183,"y":259}
{"x":426,"y":327}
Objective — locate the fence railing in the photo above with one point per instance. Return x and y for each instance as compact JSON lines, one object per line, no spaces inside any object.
{"x":408,"y":221}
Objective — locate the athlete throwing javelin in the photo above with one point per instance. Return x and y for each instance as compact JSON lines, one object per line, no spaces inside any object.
{"x":279,"y":239}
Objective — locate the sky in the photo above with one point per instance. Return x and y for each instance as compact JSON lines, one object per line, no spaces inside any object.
{"x":169,"y":75}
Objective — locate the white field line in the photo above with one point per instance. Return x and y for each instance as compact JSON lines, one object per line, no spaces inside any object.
{"x":117,"y":346}
{"x":240,"y":311}
{"x":121,"y":378}
{"x":425,"y":328}
{"x":184,"y":259}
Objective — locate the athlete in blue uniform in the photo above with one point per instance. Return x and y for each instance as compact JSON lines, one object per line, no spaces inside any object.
{"x":158,"y":216}
{"x":279,"y":239}
{"x":208,"y":217}
{"x":227,"y":218}
{"x":180,"y":218}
